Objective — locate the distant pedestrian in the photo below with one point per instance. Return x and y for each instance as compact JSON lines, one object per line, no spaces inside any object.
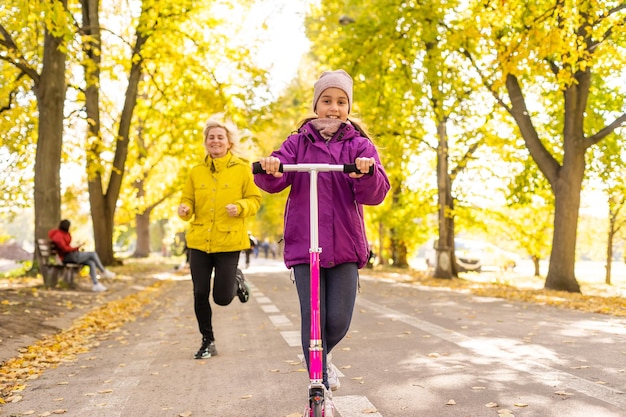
{"x":253,"y":244}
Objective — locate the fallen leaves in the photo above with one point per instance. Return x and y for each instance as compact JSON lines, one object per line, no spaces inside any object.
{"x":79,"y":338}
{"x":600,"y":299}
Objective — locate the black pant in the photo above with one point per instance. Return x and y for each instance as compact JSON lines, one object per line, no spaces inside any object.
{"x":338,"y":287}
{"x":202,"y":266}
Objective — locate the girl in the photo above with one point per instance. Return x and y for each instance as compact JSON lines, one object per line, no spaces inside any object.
{"x":333,"y":139}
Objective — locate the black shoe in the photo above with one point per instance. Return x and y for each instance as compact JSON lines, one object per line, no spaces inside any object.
{"x":206,"y":350}
{"x":243,"y":290}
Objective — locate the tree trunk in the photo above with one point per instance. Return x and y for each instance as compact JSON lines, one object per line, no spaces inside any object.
{"x":142,"y":221}
{"x":103,"y":203}
{"x":565,"y":178}
{"x":381,"y":243}
{"x":567,"y":190}
{"x":445,"y":262}
{"x":50,"y":92}
{"x":398,"y":246}
{"x":536,"y":265}
{"x":609,"y":252}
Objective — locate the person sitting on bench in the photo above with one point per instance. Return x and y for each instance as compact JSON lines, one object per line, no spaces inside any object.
{"x":62,"y":239}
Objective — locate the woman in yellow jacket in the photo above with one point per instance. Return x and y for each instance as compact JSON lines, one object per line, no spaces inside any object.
{"x":218,"y":196}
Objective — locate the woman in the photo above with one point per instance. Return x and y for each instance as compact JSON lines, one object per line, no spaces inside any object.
{"x":218,"y":197}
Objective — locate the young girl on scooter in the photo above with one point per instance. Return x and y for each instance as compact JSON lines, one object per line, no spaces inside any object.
{"x":330,"y":138}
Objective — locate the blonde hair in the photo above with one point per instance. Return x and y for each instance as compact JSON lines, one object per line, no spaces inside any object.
{"x":231,"y":130}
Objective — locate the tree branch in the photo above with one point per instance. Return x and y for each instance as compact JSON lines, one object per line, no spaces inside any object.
{"x":607,"y":130}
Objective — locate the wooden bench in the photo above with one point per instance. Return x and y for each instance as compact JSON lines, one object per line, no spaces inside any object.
{"x":51,"y":265}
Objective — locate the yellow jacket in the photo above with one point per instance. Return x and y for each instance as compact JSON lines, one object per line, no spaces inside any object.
{"x":211,"y":186}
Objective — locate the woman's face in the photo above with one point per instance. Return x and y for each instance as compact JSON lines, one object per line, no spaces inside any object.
{"x":333,"y":104}
{"x":216,"y":142}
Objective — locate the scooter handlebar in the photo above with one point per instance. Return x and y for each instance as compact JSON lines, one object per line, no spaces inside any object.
{"x":346,"y":168}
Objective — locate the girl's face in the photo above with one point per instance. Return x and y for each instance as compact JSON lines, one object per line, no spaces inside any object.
{"x":216,"y":142}
{"x":333,"y":104}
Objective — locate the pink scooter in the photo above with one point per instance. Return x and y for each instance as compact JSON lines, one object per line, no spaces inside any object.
{"x":315,"y":407}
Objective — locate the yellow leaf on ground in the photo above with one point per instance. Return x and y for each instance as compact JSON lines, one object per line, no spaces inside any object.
{"x":520,"y":405}
{"x":491,"y":405}
{"x":451,"y":402}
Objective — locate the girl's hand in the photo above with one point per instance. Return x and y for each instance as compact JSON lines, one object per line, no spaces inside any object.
{"x":363,"y":165}
{"x":270,"y":165}
{"x":183,"y":210}
{"x":232,"y":210}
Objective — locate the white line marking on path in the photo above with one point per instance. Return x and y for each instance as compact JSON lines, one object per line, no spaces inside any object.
{"x":271,"y":308}
{"x":355,"y":406}
{"x":280,"y":320}
{"x":292,"y":338}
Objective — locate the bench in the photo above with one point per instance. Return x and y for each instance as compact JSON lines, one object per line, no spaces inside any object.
{"x":52,"y":266}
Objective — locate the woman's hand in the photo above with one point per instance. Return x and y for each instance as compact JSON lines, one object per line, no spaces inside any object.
{"x":232,"y":210}
{"x":270,"y":165}
{"x":183,"y":210}
{"x":363,"y":165}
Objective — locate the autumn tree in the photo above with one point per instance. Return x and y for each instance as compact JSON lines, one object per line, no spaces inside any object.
{"x":32,"y":64}
{"x":544,"y":64}
{"x":174,"y":83}
{"x":420,"y":96}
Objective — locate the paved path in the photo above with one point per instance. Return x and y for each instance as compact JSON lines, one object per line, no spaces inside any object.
{"x":412,"y":351}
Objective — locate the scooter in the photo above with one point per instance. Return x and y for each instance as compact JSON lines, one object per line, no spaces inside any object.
{"x":315,"y":407}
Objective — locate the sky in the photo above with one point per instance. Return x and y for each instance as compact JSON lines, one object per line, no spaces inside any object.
{"x":286,"y":42}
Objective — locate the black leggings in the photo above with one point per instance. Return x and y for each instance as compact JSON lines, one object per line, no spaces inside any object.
{"x":202,"y":266}
{"x":338,"y":287}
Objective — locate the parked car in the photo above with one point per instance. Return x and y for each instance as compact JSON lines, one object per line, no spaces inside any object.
{"x":474,"y":255}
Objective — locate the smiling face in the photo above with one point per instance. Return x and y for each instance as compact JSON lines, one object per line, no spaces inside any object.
{"x":333,"y":104}
{"x":216,"y":142}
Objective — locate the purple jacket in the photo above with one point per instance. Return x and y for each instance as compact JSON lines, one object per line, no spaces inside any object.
{"x":341,"y":198}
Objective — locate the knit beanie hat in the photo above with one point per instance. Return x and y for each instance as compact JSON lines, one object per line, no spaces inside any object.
{"x":329,"y":79}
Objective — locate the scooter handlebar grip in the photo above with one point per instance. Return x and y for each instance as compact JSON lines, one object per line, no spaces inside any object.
{"x":347,"y":168}
{"x":257,"y":169}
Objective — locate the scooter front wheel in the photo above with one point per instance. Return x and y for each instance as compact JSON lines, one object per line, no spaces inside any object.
{"x":316,"y":404}
{"x":315,"y":410}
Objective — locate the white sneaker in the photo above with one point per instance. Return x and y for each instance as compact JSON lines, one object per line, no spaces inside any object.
{"x":99,"y":287}
{"x":108,"y":274}
{"x":333,"y":377}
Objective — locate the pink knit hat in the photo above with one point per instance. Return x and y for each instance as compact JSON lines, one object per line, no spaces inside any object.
{"x":329,"y":79}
